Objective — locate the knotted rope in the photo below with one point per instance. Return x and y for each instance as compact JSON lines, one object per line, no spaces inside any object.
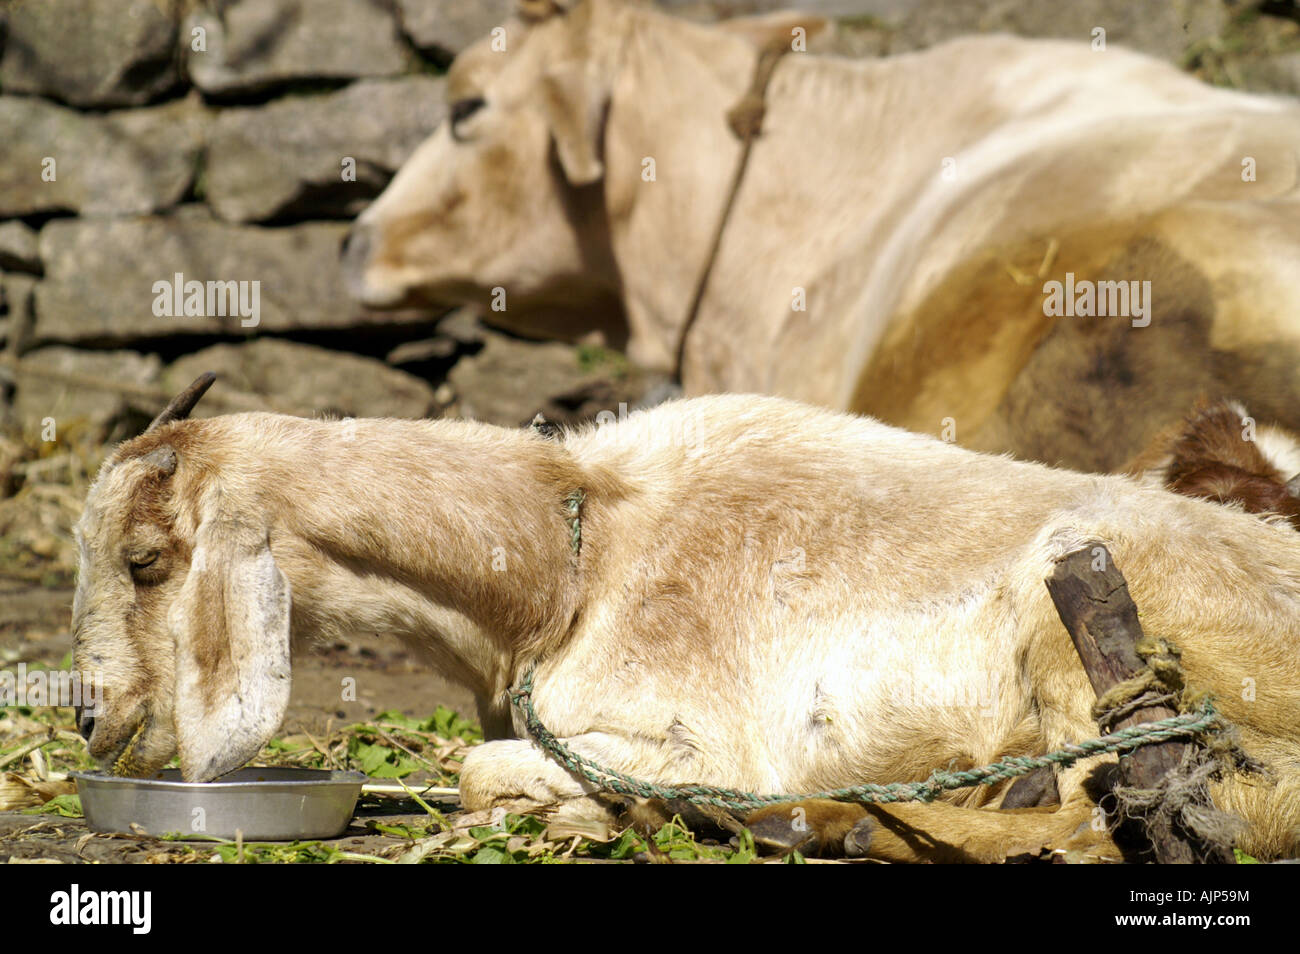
{"x":1159,"y":684}
{"x":1182,"y":798}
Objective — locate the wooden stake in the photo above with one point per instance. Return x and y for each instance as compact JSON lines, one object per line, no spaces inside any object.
{"x":1092,"y":598}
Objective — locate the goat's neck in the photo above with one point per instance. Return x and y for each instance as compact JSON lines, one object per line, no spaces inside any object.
{"x":454,"y":537}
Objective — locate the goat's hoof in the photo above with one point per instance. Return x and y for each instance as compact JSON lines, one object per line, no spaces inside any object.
{"x":858,"y":840}
{"x":778,"y":834}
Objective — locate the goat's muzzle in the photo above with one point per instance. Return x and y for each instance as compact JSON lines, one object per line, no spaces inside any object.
{"x":85,"y":723}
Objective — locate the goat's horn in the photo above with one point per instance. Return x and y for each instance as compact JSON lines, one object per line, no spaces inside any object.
{"x":1293,"y":486}
{"x":183,"y":403}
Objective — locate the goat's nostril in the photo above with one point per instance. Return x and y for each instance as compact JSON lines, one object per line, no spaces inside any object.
{"x":86,"y":725}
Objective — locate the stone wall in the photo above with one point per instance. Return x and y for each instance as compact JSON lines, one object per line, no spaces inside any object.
{"x":232,"y":140}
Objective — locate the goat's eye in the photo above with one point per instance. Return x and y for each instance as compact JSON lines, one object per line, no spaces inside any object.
{"x":142,"y":558}
{"x":146,"y":568}
{"x":463,"y":109}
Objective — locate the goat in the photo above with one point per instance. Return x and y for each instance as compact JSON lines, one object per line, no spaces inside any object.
{"x":735,"y":590}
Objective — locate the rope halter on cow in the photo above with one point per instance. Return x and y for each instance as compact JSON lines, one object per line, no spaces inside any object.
{"x":746,"y":122}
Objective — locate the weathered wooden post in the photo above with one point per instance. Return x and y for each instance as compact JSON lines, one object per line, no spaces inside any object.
{"x":1092,"y":598}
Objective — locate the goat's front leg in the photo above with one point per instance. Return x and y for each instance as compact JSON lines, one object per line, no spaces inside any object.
{"x":518,"y":775}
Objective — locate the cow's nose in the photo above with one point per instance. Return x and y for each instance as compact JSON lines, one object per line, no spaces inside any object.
{"x":355,"y":248}
{"x":85,"y":724}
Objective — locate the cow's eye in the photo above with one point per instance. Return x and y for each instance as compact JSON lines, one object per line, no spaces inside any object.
{"x":463,"y":109}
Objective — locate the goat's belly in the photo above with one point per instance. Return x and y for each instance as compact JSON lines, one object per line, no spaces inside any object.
{"x":806,"y":694}
{"x":892,"y":698}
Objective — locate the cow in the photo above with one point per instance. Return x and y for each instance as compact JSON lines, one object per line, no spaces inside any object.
{"x":1037,"y":246}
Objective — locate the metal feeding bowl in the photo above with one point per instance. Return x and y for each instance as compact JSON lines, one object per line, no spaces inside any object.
{"x":264,"y":804}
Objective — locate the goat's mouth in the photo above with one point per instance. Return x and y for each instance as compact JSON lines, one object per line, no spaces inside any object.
{"x":123,"y":756}
{"x":126,"y":762}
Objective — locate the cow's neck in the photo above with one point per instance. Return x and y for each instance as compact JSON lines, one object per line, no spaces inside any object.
{"x":788,"y":233}
{"x":452,"y":536}
{"x":672,"y":157}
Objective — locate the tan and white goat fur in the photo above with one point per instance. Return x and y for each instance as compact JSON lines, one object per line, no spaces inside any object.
{"x":767,"y":596}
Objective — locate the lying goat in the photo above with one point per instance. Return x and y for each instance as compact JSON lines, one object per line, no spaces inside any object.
{"x":1217,"y":453}
{"x":735,"y":590}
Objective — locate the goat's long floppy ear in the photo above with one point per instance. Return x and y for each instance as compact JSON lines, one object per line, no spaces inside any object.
{"x":230,"y":624}
{"x":574,"y":98}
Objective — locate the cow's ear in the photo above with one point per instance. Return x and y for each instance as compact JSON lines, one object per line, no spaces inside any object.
{"x":783,"y":28}
{"x":574,"y":98}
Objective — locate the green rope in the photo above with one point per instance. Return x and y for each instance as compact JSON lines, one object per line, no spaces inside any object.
{"x":573,"y":504}
{"x":1185,"y":725}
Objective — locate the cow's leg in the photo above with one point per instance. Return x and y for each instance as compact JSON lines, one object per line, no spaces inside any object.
{"x":936,"y":832}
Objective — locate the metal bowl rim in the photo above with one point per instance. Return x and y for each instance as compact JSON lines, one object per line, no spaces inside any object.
{"x":337,"y":777}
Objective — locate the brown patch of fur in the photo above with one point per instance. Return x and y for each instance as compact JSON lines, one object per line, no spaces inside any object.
{"x":1097,"y":389}
{"x":1213,"y":433}
{"x":1211,"y":458}
{"x":1082,"y":392}
{"x":960,"y":349}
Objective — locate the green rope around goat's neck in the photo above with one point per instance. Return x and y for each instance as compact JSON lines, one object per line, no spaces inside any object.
{"x":573,"y":507}
{"x":1183,"y":726}
{"x":573,"y":501}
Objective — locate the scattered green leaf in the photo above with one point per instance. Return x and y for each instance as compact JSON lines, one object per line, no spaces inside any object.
{"x":69,"y":806}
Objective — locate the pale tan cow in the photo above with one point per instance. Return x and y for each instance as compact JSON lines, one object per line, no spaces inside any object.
{"x":916,"y":206}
